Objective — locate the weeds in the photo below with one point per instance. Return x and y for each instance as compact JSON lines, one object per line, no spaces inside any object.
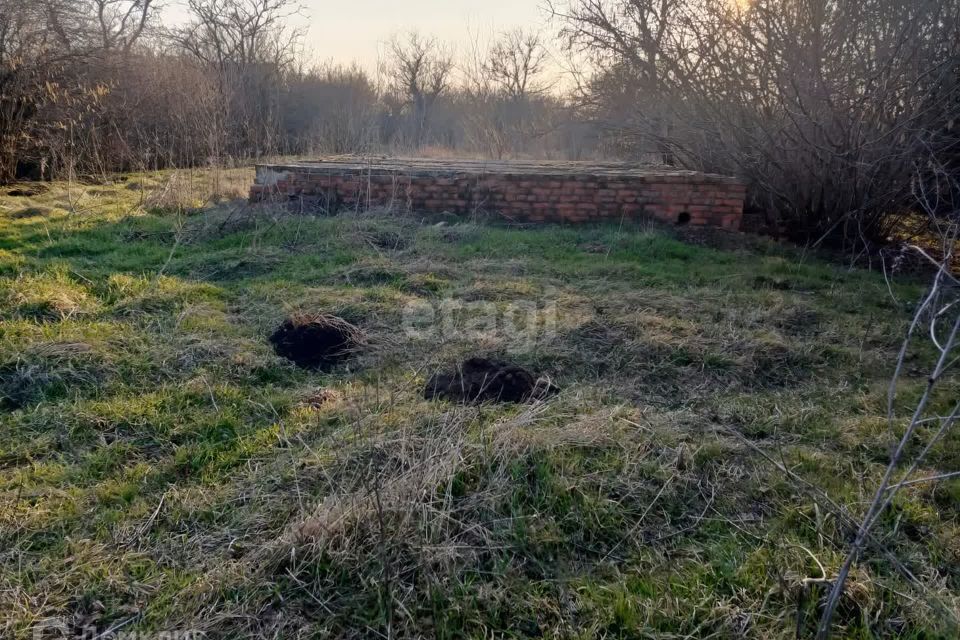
{"x":161,"y":468}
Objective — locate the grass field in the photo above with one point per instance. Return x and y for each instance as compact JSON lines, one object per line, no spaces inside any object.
{"x":161,"y":469}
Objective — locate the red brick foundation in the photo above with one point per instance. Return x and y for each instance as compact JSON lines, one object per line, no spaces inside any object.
{"x":521,"y":192}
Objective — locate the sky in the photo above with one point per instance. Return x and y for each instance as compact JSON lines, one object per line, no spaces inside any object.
{"x":358,"y":30}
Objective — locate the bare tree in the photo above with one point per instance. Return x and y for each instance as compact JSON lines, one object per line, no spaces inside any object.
{"x":47,"y":75}
{"x":122,"y":22}
{"x":645,"y":35}
{"x":330,"y":109}
{"x":240,"y":32}
{"x":634,"y":44}
{"x":824,"y":106}
{"x":516,"y":63}
{"x":508,"y":103}
{"x":419,"y":72}
{"x":247,"y":46}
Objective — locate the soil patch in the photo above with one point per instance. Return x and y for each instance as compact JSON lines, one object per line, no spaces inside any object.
{"x":316,"y":341}
{"x":322,"y":397}
{"x":482,"y":380}
{"x":594,"y":247}
{"x":30,"y":212}
{"x":26,"y":192}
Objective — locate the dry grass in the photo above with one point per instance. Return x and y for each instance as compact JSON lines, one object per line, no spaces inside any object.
{"x":162,"y":469}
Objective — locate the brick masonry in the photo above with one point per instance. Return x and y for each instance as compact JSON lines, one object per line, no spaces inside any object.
{"x":517,"y":191}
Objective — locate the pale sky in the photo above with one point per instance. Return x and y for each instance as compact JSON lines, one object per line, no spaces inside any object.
{"x":356,"y":30}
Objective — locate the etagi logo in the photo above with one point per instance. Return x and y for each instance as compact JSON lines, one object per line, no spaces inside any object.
{"x":59,"y":629}
{"x":522,"y":324}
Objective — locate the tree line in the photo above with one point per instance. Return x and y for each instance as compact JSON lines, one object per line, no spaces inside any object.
{"x":835,"y":112}
{"x":94,"y":86}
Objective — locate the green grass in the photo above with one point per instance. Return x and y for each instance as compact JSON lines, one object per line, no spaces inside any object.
{"x":159,"y":469}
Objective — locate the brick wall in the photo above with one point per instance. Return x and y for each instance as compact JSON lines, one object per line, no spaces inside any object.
{"x":521,"y":193}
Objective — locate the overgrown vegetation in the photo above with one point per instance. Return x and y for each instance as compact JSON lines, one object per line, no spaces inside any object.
{"x":836,"y":113}
{"x":161,"y":468}
{"x":97,"y":86}
{"x":831,"y":110}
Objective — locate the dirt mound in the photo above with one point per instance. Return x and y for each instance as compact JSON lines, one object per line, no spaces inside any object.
{"x":316,"y":341}
{"x":322,"y":397}
{"x":27,"y":191}
{"x":483,"y":380}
